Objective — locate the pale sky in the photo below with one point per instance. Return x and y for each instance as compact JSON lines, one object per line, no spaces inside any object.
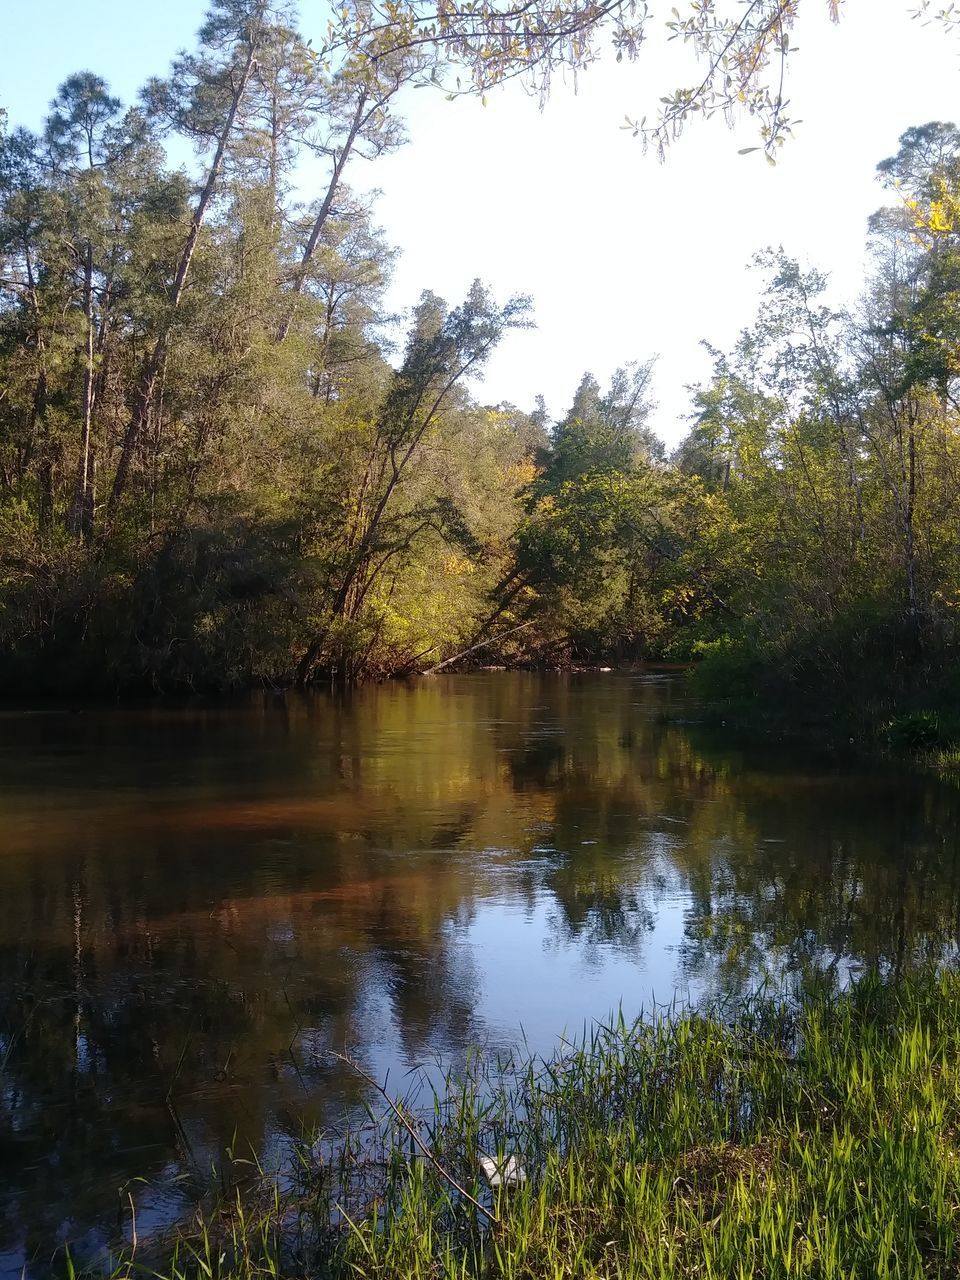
{"x":624,"y":257}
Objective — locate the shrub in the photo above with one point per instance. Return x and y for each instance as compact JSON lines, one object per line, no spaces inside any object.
{"x":726,"y":668}
{"x":914,"y":731}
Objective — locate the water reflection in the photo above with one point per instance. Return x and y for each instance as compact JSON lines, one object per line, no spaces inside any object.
{"x":196,"y":904}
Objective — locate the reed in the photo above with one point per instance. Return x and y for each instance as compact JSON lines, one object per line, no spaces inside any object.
{"x":808,"y":1138}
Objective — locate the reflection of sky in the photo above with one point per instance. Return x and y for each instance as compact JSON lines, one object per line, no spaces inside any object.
{"x":550,"y":986}
{"x":402,"y":874}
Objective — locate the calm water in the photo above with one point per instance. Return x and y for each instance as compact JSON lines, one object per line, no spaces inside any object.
{"x":202,"y":902}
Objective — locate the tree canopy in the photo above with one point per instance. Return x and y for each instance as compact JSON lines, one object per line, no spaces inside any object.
{"x":218,"y":468}
{"x":739,"y":49}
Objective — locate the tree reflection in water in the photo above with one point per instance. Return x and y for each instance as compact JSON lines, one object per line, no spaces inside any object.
{"x":199,"y":902}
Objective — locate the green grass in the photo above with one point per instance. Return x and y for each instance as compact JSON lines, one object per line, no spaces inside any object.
{"x":816,"y":1139}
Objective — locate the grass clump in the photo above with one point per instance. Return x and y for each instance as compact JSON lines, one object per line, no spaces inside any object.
{"x":816,"y":1138}
{"x":932,"y":737}
{"x":915,"y":731}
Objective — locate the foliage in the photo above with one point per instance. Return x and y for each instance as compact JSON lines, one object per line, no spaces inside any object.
{"x":914,"y":731}
{"x":806,"y":1138}
{"x":740,"y":50}
{"x":217,"y":471}
{"x":726,"y":669}
{"x":210,"y":474}
{"x":830,"y":442}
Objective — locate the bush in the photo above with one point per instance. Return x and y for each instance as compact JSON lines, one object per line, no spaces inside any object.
{"x":915,"y":731}
{"x":726,"y":668}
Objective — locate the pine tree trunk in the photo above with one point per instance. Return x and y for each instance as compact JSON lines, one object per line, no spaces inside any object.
{"x":152,"y":366}
{"x":81,"y":511}
{"x":320,"y":220}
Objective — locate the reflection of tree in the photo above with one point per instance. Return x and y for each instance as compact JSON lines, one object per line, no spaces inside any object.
{"x":835,"y":873}
{"x":602,"y":913}
{"x":215,"y":898}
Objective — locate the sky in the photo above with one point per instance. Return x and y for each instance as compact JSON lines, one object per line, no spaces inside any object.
{"x":624,"y":257}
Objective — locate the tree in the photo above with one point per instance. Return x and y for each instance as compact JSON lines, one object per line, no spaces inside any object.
{"x":29,"y":316}
{"x":357,"y":119}
{"x":291,"y":499}
{"x":928,"y":153}
{"x":204,"y":97}
{"x":444,"y":347}
{"x":828,"y":442}
{"x":742,"y":49}
{"x":601,"y":524}
{"x":80,"y":135}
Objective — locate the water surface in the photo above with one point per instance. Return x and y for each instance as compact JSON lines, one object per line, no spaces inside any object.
{"x":197,"y":904}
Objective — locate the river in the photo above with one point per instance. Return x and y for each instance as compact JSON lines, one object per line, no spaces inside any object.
{"x":199,"y":902}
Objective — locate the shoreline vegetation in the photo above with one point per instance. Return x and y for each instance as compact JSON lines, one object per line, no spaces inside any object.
{"x":223,"y":467}
{"x":920,"y":729}
{"x":811,"y":1136}
{"x":921,"y":726}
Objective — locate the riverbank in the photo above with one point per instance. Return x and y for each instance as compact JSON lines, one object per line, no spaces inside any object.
{"x":916,"y":720}
{"x":924,"y":735}
{"x":816,"y":1137}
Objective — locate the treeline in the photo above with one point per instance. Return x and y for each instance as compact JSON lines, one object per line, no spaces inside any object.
{"x":216,"y":471}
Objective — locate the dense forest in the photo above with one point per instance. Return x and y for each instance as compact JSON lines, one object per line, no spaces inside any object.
{"x":217,"y":469}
